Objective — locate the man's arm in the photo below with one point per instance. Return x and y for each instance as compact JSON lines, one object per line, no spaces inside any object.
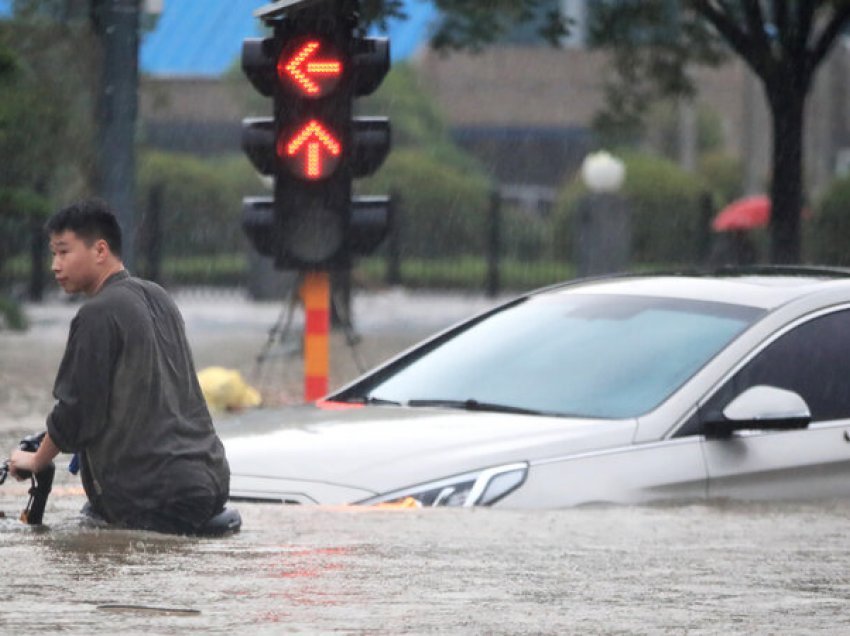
{"x":33,"y":462}
{"x":83,"y":382}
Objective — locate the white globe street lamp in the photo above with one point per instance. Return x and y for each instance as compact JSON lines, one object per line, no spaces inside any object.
{"x":603,"y":172}
{"x":603,"y":230}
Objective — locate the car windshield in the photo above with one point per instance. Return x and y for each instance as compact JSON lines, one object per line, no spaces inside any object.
{"x":598,"y":356}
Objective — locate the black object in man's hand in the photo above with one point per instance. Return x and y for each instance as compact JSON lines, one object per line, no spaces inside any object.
{"x":42,"y":482}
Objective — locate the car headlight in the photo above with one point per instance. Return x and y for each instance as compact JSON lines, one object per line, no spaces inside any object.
{"x":480,"y":488}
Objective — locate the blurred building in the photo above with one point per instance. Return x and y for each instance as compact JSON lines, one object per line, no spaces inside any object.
{"x":524,"y":109}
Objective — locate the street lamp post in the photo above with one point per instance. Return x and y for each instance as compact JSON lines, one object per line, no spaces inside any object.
{"x":603,"y":231}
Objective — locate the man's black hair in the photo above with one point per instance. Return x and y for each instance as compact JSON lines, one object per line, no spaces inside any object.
{"x":91,"y":220}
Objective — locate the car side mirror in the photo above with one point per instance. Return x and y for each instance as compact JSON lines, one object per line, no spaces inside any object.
{"x":761,"y":408}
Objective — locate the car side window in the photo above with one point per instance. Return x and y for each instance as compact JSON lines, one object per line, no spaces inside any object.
{"x":813,"y":359}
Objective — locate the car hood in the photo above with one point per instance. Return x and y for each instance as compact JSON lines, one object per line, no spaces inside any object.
{"x":309,"y":453}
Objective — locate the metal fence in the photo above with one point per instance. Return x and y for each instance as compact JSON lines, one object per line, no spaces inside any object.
{"x":516,"y":250}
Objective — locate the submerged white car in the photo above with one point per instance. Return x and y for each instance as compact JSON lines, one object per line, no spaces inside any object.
{"x":624,"y":390}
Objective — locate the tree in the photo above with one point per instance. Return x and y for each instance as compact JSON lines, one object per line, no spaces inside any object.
{"x":466,"y":25}
{"x":42,"y":133}
{"x":44,"y":123}
{"x":655,"y":43}
{"x":7,"y":63}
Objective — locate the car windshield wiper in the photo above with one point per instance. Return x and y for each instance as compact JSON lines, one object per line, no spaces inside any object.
{"x":475,"y":405}
{"x":370,"y":399}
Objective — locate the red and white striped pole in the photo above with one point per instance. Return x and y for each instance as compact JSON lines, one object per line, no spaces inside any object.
{"x":316,"y":296}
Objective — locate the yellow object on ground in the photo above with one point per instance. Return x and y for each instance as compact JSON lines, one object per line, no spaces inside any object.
{"x":401,"y":504}
{"x":225,"y":389}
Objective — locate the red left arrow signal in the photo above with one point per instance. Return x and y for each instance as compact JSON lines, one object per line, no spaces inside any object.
{"x":312,"y":152}
{"x":313,"y":77}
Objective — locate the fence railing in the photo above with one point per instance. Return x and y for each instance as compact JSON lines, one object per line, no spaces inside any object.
{"x":504,"y":259}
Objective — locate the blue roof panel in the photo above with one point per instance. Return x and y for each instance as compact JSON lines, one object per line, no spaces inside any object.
{"x":198,"y":37}
{"x":204,"y":37}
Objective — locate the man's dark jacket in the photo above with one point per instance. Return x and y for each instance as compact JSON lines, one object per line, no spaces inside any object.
{"x":128,"y":400}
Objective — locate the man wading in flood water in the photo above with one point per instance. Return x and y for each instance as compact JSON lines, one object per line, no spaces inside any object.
{"x":127,"y":395}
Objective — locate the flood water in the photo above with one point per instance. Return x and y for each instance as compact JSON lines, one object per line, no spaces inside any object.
{"x":715,"y":567}
{"x":697,"y":568}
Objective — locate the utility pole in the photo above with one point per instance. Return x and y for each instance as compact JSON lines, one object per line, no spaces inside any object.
{"x":117,"y":25}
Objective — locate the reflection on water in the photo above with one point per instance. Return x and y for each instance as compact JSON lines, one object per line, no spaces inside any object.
{"x":147,"y":609}
{"x":697,"y":567}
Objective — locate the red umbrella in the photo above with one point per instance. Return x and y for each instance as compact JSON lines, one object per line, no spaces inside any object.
{"x":744,"y":214}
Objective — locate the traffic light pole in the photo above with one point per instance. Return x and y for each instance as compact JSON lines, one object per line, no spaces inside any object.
{"x":118,"y":27}
{"x":316,"y":297}
{"x":313,"y":65}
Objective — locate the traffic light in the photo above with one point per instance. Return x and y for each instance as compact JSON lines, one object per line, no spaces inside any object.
{"x":313,"y":66}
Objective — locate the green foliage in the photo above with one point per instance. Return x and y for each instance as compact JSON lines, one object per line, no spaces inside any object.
{"x":441,"y":209}
{"x":201,"y":201}
{"x":441,"y":192}
{"x":565,"y":207}
{"x":378,"y":12}
{"x":11,"y":315}
{"x":665,"y":117}
{"x":665,"y":205}
{"x":404,"y":99}
{"x":829,"y":230}
{"x":45,"y":106}
{"x":665,"y":202}
{"x":8,"y":62}
{"x":16,"y":203}
{"x":466,"y":272}
{"x":222,"y":270}
{"x":20,"y":212}
{"x":654,"y":45}
{"x":525,"y":235}
{"x":723,"y":176}
{"x":416,"y":121}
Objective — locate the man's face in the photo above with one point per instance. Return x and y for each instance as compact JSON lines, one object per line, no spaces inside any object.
{"x":74,"y":262}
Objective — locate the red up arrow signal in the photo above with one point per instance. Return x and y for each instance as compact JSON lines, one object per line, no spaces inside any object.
{"x":321,"y":151}
{"x":312,"y":77}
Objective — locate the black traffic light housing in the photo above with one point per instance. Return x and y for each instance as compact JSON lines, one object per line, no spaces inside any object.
{"x":313,"y":66}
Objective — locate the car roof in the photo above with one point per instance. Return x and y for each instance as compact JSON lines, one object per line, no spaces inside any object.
{"x":762,"y":287}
